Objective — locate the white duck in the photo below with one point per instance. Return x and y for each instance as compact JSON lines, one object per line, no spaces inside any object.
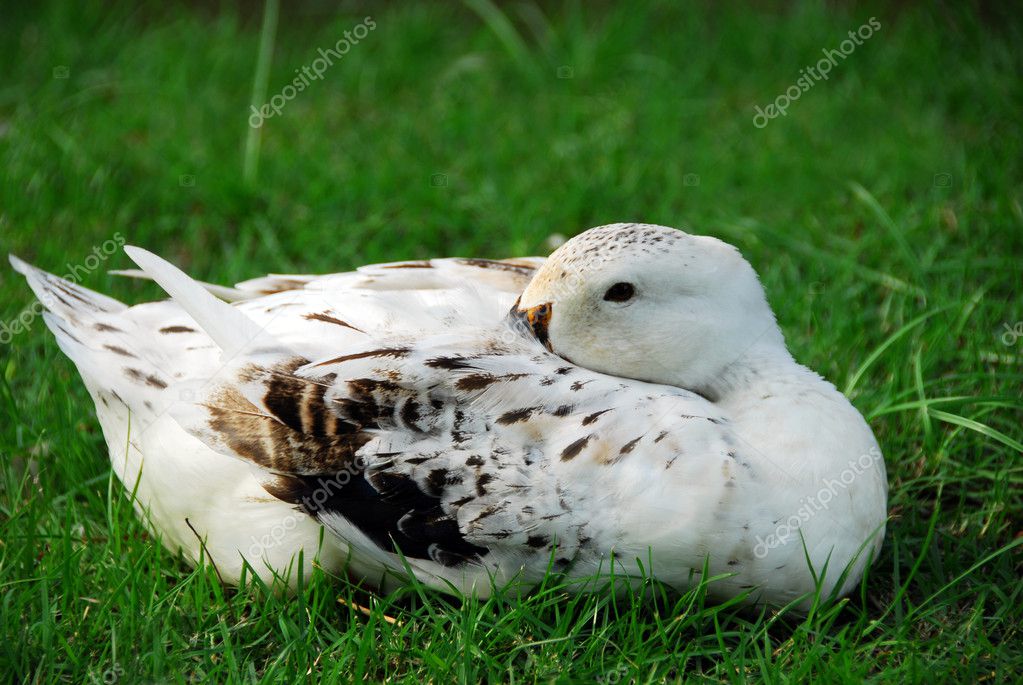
{"x":636,"y":412}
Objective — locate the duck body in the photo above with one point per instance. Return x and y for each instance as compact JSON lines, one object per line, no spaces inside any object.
{"x":399,"y":419}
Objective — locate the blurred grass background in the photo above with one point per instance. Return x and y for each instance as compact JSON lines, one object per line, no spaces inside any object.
{"x":888,"y":192}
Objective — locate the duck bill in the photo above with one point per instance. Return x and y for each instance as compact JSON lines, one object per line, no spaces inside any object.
{"x":537,"y":319}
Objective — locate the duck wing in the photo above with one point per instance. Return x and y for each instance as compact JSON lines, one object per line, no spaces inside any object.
{"x":424,"y":430}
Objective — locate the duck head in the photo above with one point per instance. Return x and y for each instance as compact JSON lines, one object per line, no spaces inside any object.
{"x":650,"y":303}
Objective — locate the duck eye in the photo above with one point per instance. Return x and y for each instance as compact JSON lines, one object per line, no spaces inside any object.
{"x":620,"y":292}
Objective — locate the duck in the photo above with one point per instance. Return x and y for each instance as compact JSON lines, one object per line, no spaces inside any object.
{"x":625,"y":408}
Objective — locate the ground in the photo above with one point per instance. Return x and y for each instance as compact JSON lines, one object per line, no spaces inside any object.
{"x":882,"y":210}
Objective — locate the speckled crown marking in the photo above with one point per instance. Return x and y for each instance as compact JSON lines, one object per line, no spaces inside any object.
{"x":565,"y":268}
{"x":613,"y":239}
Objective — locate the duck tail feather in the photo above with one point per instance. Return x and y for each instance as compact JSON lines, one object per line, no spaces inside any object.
{"x":228,"y":326}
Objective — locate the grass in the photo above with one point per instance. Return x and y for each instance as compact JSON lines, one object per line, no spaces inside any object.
{"x":883,"y":213}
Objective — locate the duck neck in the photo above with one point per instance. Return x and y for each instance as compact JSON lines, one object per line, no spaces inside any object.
{"x":765,"y":369}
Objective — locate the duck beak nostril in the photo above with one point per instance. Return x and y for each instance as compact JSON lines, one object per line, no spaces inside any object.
{"x":537,"y":319}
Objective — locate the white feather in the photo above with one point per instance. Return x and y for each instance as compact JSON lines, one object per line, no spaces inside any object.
{"x":231,"y":329}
